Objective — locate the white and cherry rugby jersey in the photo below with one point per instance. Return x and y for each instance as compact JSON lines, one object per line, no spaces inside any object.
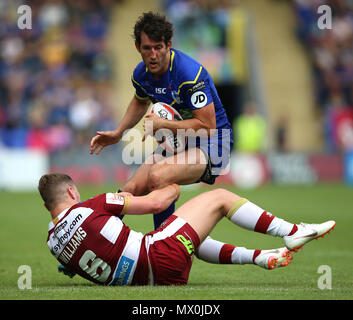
{"x":91,"y":240}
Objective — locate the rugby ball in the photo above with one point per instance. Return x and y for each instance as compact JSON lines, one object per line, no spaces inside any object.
{"x":171,"y":142}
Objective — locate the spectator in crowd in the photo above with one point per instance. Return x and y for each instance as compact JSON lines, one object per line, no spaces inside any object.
{"x":331,"y":52}
{"x":47,"y":72}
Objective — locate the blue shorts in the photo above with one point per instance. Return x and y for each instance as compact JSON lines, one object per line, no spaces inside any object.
{"x":217,"y":150}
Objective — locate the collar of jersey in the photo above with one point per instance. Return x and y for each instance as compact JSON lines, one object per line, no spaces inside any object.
{"x":58,"y":218}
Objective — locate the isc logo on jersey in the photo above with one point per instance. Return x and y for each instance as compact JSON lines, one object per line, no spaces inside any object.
{"x":199,"y":99}
{"x":161,"y":90}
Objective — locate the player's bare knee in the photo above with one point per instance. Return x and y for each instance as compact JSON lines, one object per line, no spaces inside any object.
{"x":214,"y":198}
{"x":218,"y":193}
{"x":129,"y":186}
{"x":224,"y":199}
{"x":132,"y":187}
{"x":156,"y":178}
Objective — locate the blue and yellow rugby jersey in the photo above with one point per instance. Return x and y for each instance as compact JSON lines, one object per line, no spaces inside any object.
{"x":186,"y":86}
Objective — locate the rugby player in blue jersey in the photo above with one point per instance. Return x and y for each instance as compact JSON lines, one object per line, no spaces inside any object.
{"x":168,"y":75}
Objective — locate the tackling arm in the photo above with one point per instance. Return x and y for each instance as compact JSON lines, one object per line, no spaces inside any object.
{"x":154,"y":202}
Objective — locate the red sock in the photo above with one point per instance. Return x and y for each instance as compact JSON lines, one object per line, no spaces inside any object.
{"x":264,"y":222}
{"x":225,"y":255}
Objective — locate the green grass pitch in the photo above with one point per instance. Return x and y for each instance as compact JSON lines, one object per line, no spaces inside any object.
{"x":23,"y":231}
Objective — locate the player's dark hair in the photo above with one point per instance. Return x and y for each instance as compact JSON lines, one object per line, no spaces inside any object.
{"x":51,"y":186}
{"x":155,"y":25}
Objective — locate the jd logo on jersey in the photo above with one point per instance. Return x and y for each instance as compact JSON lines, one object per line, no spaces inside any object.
{"x":199,"y":99}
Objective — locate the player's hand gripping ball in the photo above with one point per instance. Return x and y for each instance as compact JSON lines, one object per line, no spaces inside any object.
{"x":171,"y":142}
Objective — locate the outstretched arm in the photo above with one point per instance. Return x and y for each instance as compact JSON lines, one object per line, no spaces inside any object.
{"x":134,"y":113}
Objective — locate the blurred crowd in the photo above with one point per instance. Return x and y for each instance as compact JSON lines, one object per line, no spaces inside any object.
{"x":215,"y":33}
{"x":331,"y":53}
{"x":202,"y":31}
{"x":55,"y":78}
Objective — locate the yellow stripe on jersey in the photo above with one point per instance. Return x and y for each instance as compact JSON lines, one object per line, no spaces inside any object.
{"x":134,"y":81}
{"x":191,"y":82}
{"x":141,"y":98}
{"x":142,"y":88}
{"x":171,"y":60}
{"x":188,"y":82}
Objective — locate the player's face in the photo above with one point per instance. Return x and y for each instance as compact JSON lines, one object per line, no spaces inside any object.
{"x":155,"y":55}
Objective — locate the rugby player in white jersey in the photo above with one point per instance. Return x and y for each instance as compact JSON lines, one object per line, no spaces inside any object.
{"x":89,"y":239}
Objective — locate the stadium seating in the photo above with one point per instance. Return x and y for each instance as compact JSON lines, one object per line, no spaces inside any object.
{"x":331,"y":54}
{"x":56,"y":77}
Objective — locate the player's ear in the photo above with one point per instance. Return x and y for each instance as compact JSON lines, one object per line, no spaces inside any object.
{"x":71,"y":192}
{"x":137,"y":45}
{"x":45,"y":205}
{"x":169,"y":44}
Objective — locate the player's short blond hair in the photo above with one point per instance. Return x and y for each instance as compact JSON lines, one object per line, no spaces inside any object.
{"x":52,"y":187}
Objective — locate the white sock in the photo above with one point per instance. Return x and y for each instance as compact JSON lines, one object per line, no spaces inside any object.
{"x":214,"y":251}
{"x":250,"y":216}
{"x":242,"y":255}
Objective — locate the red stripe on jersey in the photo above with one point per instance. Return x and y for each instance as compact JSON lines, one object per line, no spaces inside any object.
{"x":264,"y":222}
{"x":225,"y":255}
